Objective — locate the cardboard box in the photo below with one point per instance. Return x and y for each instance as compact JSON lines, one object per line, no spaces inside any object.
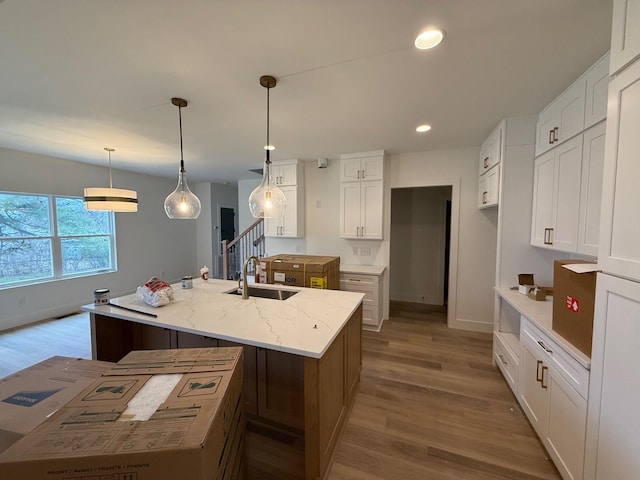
{"x":311,"y":271}
{"x":156,"y":415}
{"x":573,"y":302}
{"x":30,"y":396}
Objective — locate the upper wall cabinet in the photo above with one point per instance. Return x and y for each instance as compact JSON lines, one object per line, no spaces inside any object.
{"x":581,"y":105}
{"x":286,"y":172}
{"x":489,"y":169}
{"x":556,"y":197}
{"x":369,"y":166}
{"x":625,"y":35}
{"x":288,"y":175}
{"x":361,"y":195}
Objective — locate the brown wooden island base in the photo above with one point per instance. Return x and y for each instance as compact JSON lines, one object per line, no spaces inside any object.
{"x":296,"y":406}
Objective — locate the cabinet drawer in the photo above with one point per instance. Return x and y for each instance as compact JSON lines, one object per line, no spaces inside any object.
{"x":506,"y":362}
{"x":575,"y":374}
{"x":369,"y":315}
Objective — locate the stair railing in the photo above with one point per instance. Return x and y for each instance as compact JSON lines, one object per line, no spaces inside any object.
{"x":234,"y":252}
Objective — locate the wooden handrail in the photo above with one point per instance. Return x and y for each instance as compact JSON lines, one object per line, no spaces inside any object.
{"x":243,"y":234}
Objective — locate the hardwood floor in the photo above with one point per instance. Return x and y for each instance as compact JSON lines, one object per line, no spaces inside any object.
{"x":431,"y":404}
{"x":69,"y":337}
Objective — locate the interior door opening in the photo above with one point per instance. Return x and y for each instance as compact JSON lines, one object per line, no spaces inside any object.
{"x":420,"y":248}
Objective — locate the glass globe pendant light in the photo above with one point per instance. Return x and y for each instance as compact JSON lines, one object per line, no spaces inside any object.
{"x":267,"y":200}
{"x":181,"y":203}
{"x":110,"y":199}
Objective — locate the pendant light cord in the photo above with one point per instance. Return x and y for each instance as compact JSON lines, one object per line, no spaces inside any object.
{"x":110,"y":180}
{"x":181,"y":155}
{"x":268,"y":144}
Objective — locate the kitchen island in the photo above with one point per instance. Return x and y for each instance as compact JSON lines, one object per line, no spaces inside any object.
{"x":302,"y":361}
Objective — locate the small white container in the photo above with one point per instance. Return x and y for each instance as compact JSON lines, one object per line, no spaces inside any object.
{"x":187,"y":282}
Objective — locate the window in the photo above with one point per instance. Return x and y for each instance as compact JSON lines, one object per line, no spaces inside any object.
{"x":46,"y":237}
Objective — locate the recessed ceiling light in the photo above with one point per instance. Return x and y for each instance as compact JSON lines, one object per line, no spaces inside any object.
{"x":430,"y":38}
{"x":423,"y":128}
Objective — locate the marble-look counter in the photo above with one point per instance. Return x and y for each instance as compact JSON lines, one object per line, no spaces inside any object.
{"x":305,"y":324}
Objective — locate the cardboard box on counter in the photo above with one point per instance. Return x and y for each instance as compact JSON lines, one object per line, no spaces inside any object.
{"x":30,"y":396}
{"x":312,"y":271}
{"x":573,"y":303}
{"x":155,"y":415}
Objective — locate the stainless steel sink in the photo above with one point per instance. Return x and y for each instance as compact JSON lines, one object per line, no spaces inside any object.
{"x":273,"y":293}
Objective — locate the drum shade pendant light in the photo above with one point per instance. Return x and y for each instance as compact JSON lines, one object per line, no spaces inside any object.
{"x":267,"y":200}
{"x":110,"y":199}
{"x":181,"y":203}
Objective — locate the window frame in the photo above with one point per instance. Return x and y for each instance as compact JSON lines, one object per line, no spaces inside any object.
{"x":56,"y":241}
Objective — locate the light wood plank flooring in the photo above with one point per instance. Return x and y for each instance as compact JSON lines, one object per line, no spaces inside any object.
{"x":431,"y":404}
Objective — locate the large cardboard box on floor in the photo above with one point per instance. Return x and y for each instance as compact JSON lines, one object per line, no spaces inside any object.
{"x":312,"y":271}
{"x":30,"y":396}
{"x":573,"y":303}
{"x":156,"y":415}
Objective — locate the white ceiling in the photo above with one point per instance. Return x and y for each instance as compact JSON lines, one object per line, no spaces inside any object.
{"x":76,"y":76}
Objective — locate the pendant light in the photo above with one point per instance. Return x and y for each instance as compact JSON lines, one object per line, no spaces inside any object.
{"x":110,"y":199}
{"x":181,"y":203}
{"x":267,"y":200}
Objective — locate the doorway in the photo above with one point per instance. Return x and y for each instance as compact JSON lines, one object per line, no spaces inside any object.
{"x":420,"y":247}
{"x":227,"y":224}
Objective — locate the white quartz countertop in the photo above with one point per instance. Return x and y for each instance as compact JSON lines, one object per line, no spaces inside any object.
{"x":363,"y":269}
{"x":541,"y":314}
{"x":304,"y":324}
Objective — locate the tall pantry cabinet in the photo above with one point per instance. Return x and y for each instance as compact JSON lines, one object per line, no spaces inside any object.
{"x":613,"y":421}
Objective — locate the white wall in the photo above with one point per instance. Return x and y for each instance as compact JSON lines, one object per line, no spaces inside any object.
{"x":417,"y":248}
{"x":204,"y":227}
{"x":148,"y":243}
{"x":245,"y":187}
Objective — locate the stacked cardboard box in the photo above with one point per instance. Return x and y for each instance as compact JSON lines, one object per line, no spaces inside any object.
{"x":312,"y":271}
{"x":30,"y":396}
{"x":155,"y":415}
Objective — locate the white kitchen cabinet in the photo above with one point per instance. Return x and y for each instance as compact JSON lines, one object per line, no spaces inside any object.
{"x":597,"y":87}
{"x":620,"y":229}
{"x":491,"y":150}
{"x":361,"y":197}
{"x":581,"y":105}
{"x":286,"y":172}
{"x":625,"y":34}
{"x":291,"y":181}
{"x":613,"y":422}
{"x":556,"y":197}
{"x":362,"y":166}
{"x":562,"y":119}
{"x":552,"y":392}
{"x":291,"y":224}
{"x":371,"y":286}
{"x":489,"y":188}
{"x":591,"y":189}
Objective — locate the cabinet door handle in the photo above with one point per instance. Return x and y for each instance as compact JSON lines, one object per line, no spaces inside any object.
{"x":544,"y":347}
{"x":484,"y":197}
{"x":485,"y":162}
{"x":362,"y":231}
{"x":538,"y":374}
{"x":544,"y":369}
{"x":550,"y":136}
{"x":550,"y":242}
{"x":555,"y":134}
{"x":501,"y":357}
{"x":358,"y":173}
{"x":547,"y":236}
{"x":362,"y":174}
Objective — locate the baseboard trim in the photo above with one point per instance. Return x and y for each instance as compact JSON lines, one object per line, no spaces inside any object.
{"x":471,"y":325}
